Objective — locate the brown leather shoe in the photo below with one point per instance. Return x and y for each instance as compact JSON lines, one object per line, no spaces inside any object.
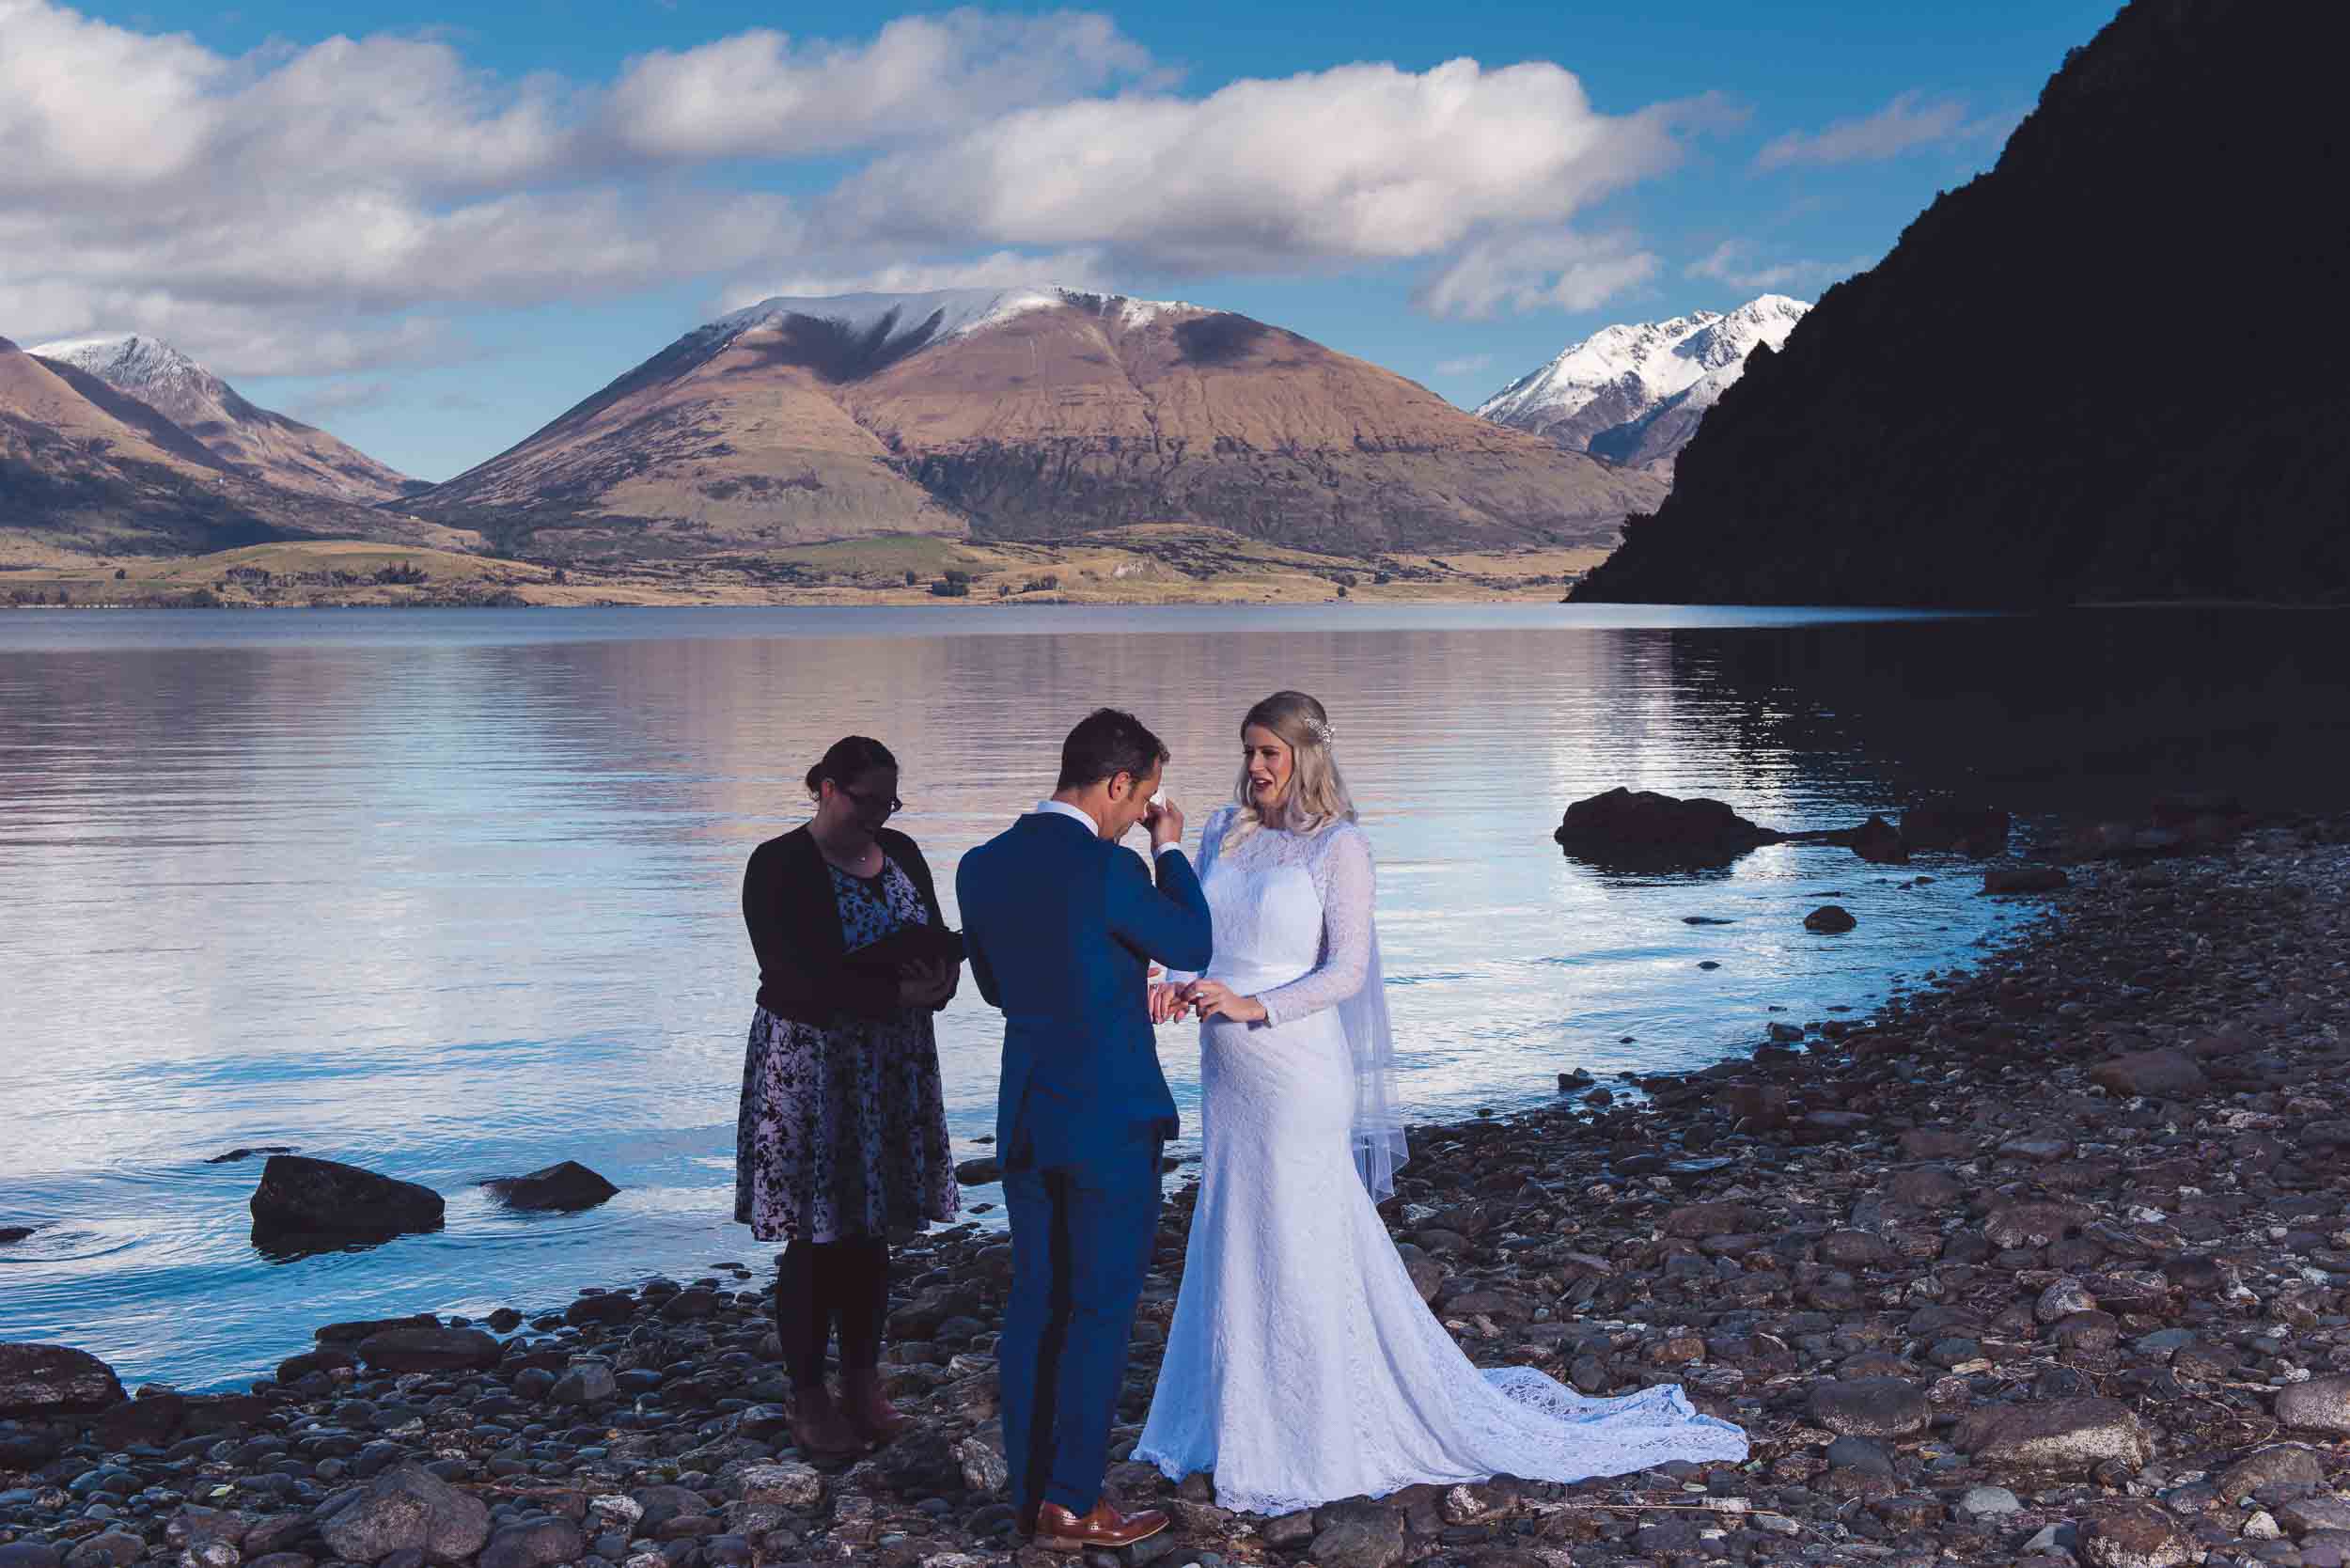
{"x":1059,"y":1530}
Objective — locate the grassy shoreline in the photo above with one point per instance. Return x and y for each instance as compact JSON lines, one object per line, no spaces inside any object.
{"x":1147,"y":564}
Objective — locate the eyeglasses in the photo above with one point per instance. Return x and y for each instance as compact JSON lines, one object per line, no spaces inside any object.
{"x":873,"y":803}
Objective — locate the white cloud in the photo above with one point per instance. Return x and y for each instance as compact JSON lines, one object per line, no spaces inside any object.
{"x":324,"y":194}
{"x":1362,"y":162}
{"x":1553,"y":269}
{"x":1911,"y":121}
{"x":234,"y":338}
{"x":1733,"y":263}
{"x":326,"y":207}
{"x":1467,"y":365}
{"x":759,"y":93}
{"x":1004,"y":268}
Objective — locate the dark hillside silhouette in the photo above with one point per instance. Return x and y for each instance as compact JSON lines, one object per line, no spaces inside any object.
{"x":2105,"y":369}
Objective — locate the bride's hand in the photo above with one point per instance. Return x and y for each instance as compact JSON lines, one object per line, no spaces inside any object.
{"x":1215,"y":999}
{"x":1167,"y":1004}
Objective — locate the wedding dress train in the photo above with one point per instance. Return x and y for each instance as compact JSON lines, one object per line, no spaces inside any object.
{"x":1301,"y":1366}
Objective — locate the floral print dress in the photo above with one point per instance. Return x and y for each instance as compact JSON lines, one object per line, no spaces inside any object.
{"x":842,"y":1132}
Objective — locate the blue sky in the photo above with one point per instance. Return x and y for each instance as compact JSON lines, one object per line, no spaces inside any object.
{"x":431,"y":228}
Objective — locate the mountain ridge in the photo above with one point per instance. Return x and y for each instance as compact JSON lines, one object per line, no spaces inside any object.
{"x":1633,"y":393}
{"x":88,"y":469}
{"x":255,"y":441}
{"x":1024,"y":412}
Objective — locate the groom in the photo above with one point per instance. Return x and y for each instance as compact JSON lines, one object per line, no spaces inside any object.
{"x":1062,"y":925}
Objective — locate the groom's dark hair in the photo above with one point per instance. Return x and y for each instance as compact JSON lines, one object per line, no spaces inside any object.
{"x":1107,"y":743}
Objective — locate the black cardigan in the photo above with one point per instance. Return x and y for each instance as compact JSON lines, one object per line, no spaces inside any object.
{"x":794,"y":921}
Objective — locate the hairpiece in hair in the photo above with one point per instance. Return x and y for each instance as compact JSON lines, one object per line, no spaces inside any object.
{"x":1322,"y":732}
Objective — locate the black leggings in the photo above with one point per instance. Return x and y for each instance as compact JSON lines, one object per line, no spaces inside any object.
{"x":821,"y":1281}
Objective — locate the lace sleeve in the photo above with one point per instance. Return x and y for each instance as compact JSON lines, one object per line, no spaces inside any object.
{"x":1345,"y":873}
{"x":1210,"y":838}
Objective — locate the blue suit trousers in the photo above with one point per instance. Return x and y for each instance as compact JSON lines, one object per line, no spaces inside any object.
{"x":1082,"y":1236}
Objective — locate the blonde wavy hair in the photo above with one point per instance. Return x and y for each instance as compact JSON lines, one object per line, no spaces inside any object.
{"x":1317,"y":793}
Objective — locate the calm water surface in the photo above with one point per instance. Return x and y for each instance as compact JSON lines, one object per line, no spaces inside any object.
{"x":454,"y":894}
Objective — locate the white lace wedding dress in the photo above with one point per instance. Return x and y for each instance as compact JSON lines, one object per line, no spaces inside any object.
{"x":1302,"y":1367}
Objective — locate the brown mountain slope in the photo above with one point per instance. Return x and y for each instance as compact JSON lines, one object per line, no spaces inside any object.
{"x":1033,"y":414}
{"x":719,"y":442}
{"x":255,"y":440}
{"x":85,"y":470}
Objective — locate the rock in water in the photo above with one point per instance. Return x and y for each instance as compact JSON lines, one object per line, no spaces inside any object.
{"x":1832,"y":918}
{"x":15,"y":1232}
{"x":1879,"y":842}
{"x":55,"y":1380}
{"x":565,"y":1185}
{"x":1649,"y":829}
{"x":303,"y":1196}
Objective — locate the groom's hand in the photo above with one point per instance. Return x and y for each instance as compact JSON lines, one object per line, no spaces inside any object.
{"x":1164,"y":818}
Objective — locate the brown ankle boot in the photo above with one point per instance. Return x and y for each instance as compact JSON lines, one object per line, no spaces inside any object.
{"x":819,"y":1429}
{"x":870,"y":1413}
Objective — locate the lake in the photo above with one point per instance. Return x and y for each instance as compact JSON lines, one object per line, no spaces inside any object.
{"x":454,"y":894}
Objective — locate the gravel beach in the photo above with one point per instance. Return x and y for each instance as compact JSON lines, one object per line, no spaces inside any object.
{"x":2045,"y":1261}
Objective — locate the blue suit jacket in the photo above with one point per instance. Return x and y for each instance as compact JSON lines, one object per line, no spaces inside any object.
{"x":1061,"y":928}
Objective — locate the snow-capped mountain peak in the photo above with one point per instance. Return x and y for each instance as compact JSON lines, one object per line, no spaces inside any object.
{"x":132,"y":363}
{"x":939,"y":315}
{"x":1631,"y":392}
{"x":254,"y":440}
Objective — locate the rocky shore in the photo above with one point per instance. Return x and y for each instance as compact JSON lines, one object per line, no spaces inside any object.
{"x":2044,"y":1263}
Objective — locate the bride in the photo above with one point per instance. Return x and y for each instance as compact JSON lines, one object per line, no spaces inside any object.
{"x":1301,"y":1367}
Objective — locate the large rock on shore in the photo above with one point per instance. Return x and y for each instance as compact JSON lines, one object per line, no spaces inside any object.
{"x":430,"y":1348}
{"x":1947,"y":824}
{"x":2321,"y":1405}
{"x":2064,"y":1437}
{"x":565,"y":1185}
{"x":1871,"y":1407}
{"x":303,"y":1196}
{"x":1647,"y":828}
{"x":2157,"y":1075}
{"x":407,"y":1508}
{"x":55,"y":1380}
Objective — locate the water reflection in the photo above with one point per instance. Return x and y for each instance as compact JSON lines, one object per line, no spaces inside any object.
{"x":454,"y":895}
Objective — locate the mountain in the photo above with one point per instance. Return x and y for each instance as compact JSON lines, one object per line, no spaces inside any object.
{"x":254,"y":441}
{"x":1020,"y":413}
{"x":2087,"y":374}
{"x":87,"y":469}
{"x":1634,"y":393}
